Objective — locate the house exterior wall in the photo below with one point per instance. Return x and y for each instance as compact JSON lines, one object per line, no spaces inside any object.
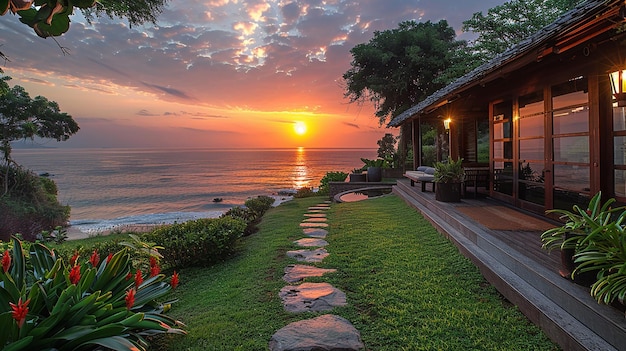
{"x":559,"y":144}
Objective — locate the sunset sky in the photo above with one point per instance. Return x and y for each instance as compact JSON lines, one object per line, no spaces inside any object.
{"x":220,"y":73}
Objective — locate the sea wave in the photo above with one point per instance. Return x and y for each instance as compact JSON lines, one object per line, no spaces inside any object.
{"x":96,"y":226}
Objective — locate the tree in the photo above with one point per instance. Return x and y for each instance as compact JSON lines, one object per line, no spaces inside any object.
{"x":387,"y":149}
{"x":400,"y":67}
{"x":512,"y":22}
{"x":52,"y":17}
{"x":22,"y":117}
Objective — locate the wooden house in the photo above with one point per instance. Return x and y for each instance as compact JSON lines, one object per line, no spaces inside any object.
{"x":547,"y":117}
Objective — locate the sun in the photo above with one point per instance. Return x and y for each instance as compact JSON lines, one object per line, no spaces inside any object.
{"x":299,"y":128}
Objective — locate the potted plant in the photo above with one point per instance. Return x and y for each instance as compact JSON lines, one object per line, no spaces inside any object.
{"x":448,"y":177}
{"x":374,"y":169}
{"x":357,"y":175}
{"x":581,"y":230}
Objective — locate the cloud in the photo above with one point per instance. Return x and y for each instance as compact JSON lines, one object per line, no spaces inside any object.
{"x":146,"y":113}
{"x":170,"y":91}
{"x":208,"y":57}
{"x":353,"y":125}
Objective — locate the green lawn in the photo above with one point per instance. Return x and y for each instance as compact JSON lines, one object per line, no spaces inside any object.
{"x":407,"y":287}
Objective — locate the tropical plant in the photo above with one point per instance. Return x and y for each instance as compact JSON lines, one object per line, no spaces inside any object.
{"x":450,"y":171}
{"x":604,"y":251}
{"x":324,"y":188}
{"x":46,"y":305}
{"x":379,"y":162}
{"x":579,"y":223}
{"x":52,"y":17}
{"x":596,"y":238}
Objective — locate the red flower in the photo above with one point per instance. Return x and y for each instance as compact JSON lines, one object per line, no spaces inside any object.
{"x":6,"y":261}
{"x":130,"y":298}
{"x":588,"y":212}
{"x":138,"y":278}
{"x":74,"y":259}
{"x":129,"y":275}
{"x":109,"y":257}
{"x":75,"y":275}
{"x":154,"y":270}
{"x":174,"y":281}
{"x":95,"y":258}
{"x":153,"y":261}
{"x":19,"y":311}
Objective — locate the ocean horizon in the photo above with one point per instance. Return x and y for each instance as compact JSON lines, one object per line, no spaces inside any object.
{"x":113,"y":188}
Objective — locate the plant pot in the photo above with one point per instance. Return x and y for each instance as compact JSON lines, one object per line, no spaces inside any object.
{"x":448,"y":192}
{"x":358,"y":177}
{"x":568,"y":265}
{"x":374,"y":174}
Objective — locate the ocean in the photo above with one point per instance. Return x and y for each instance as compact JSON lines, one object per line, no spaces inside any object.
{"x":111,"y":188}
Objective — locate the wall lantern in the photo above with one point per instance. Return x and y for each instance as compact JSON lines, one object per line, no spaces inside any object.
{"x":446,"y":123}
{"x":618,"y":87}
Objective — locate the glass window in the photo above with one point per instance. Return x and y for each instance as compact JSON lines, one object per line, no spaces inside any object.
{"x":483,"y":141}
{"x":498,"y":150}
{"x":572,"y":177}
{"x":531,"y":104}
{"x":571,"y":149}
{"x":531,"y":171}
{"x":531,"y":126}
{"x":572,"y":120}
{"x":619,"y":118}
{"x":570,"y":93}
{"x":531,"y":149}
{"x":620,"y":182}
{"x":534,"y":193}
{"x":619,"y":150}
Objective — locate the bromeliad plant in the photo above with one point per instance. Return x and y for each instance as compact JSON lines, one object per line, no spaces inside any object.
{"x":47,"y":305}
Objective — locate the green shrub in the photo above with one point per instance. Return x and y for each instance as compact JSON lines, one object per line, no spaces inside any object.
{"x":331,"y":177}
{"x":198,"y":243}
{"x":259,"y":205}
{"x":46,"y":304}
{"x":304,"y":192}
{"x":30,"y":205}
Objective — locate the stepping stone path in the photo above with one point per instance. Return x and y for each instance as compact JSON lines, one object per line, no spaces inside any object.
{"x":315,"y":232}
{"x":324,"y":333}
{"x":311,"y":242}
{"x":297,"y":272}
{"x":314,"y":297}
{"x":313,"y":225}
{"x":327,"y":332}
{"x":317,"y":255}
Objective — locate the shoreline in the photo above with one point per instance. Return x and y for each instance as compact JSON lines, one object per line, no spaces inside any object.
{"x":138,"y":223}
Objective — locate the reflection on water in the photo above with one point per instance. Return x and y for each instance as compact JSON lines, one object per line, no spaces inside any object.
{"x":299,"y":178}
{"x":364,"y":194}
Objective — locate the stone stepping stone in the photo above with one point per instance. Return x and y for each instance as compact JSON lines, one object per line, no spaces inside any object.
{"x":315,"y":232}
{"x":313,"y":225}
{"x":314,"y":220}
{"x":324,"y":333}
{"x":317,"y":211}
{"x":313,"y":297}
{"x":315,"y":215}
{"x":311,"y":256}
{"x":318,"y":208}
{"x":311,"y":242}
{"x":297,"y":272}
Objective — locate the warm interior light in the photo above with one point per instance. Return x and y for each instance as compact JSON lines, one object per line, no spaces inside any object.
{"x":618,"y":86}
{"x":446,"y":123}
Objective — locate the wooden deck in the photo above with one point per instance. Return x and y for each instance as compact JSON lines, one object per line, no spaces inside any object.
{"x":513,"y":261}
